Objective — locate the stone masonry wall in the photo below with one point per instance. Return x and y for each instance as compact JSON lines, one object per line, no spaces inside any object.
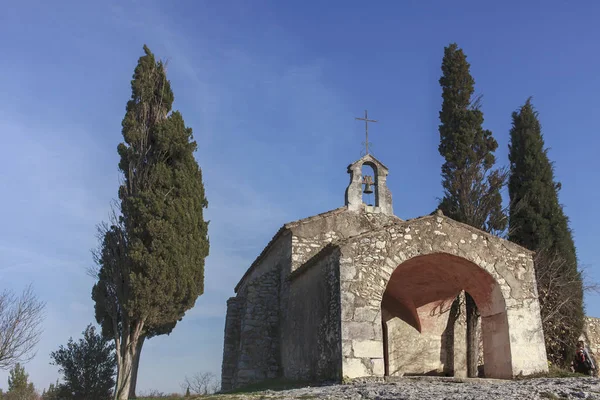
{"x":411,"y":352}
{"x":259,"y":320}
{"x":310,"y":236}
{"x":259,"y":350}
{"x":512,"y":322}
{"x":591,"y":334}
{"x":252,"y":351}
{"x":235,"y":307}
{"x":311,"y":337}
{"x":434,"y":350}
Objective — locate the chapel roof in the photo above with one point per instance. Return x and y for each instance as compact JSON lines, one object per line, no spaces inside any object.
{"x":284,"y":228}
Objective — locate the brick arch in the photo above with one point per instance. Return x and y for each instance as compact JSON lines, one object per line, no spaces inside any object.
{"x":498,"y":274}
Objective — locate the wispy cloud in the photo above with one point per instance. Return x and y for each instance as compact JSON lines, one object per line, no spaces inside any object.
{"x":234,"y":98}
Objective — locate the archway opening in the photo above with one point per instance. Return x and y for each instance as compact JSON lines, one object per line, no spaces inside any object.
{"x":423,"y":318}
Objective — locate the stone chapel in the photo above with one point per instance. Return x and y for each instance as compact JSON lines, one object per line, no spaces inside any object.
{"x":358,"y":292}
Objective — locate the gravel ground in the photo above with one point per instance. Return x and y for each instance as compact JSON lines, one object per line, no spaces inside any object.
{"x":441,"y":389}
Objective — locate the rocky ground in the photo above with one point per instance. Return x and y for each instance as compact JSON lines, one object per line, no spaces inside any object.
{"x":439,"y":389}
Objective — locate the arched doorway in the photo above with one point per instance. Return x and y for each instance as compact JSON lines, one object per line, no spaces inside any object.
{"x":415,"y":269}
{"x":421,"y":314}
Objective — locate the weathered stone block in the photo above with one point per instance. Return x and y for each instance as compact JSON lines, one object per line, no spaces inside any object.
{"x":348,"y":272}
{"x":347,"y":348}
{"x":368,"y":348}
{"x":358,"y":330}
{"x":354,"y":368}
{"x":365,"y":314}
{"x":378,"y":366}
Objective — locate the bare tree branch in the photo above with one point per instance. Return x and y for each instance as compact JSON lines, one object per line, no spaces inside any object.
{"x":20,"y":326}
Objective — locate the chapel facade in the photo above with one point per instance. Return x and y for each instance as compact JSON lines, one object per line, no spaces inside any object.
{"x":357,"y":292}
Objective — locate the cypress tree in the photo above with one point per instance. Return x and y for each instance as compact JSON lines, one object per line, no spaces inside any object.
{"x":151,"y":256}
{"x":537,"y":221}
{"x":471,"y":185}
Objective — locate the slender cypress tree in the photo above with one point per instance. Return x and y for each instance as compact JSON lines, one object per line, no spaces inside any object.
{"x":151,"y":256}
{"x":471,"y":185}
{"x":537,"y":221}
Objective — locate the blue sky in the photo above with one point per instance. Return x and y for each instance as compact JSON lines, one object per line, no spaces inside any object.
{"x":271,"y":90}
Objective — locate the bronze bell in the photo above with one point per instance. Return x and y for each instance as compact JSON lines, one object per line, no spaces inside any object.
{"x":368,"y":182}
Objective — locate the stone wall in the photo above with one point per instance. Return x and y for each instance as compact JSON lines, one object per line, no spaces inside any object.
{"x":259,"y":357}
{"x":498,"y":274}
{"x":235,"y":308}
{"x":440,"y":347}
{"x":269,"y":307}
{"x":311,"y":235}
{"x":252,"y":351}
{"x":310,"y":306}
{"x":306,"y":295}
{"x":311,"y":337}
{"x":591,"y":334}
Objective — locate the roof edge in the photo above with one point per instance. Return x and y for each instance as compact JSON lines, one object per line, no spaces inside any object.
{"x":335,"y":211}
{"x":324,"y":252}
{"x":279,"y":233}
{"x":427,"y":217}
{"x":261,"y":256}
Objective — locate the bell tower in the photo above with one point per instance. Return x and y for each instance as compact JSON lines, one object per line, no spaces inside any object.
{"x":354,"y":191}
{"x":373,"y":184}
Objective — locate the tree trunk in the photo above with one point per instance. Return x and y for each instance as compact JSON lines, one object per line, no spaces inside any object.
{"x":126,"y":354}
{"x":472,"y":337}
{"x":124,"y":366}
{"x":135,"y":367}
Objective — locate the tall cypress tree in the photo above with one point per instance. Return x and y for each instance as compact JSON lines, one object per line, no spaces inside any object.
{"x":151,"y":258}
{"x":537,"y":221}
{"x":471,"y":185}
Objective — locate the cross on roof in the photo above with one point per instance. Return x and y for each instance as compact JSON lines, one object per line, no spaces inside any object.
{"x":367,"y":120}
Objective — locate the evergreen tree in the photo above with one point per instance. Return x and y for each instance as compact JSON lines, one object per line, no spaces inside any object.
{"x":88,"y":366}
{"x":19,"y":387}
{"x":55,"y":392}
{"x":471,"y":185}
{"x":151,"y":257}
{"x":537,"y":222}
{"x":17,"y":378}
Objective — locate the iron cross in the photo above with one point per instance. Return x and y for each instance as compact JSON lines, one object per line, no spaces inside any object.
{"x":367,"y":120}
